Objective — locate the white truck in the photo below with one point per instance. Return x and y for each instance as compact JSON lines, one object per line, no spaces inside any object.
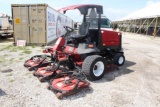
{"x":6,"y":28}
{"x":105,"y":22}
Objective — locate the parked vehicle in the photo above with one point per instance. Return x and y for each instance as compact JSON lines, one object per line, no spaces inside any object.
{"x":81,"y":55}
{"x":6,"y":27}
{"x":105,"y":22}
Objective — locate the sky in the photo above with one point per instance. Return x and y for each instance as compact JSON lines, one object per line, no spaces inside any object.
{"x":113,"y":9}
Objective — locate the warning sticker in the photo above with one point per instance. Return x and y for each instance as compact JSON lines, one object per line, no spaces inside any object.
{"x":17,"y":20}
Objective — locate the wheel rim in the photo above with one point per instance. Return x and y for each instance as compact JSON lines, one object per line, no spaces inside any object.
{"x":98,"y":68}
{"x":121,"y":60}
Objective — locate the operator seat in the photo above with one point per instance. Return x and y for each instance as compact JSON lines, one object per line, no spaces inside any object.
{"x":82,"y":32}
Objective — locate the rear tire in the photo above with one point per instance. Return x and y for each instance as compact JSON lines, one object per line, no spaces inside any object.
{"x":94,"y":67}
{"x":119,"y":59}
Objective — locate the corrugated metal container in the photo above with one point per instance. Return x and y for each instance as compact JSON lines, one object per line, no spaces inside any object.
{"x":38,"y":23}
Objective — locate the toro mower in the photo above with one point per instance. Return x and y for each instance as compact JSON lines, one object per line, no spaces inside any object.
{"x":93,"y":46}
{"x":86,"y":52}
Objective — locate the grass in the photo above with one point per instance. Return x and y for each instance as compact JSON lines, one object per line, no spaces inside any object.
{"x":21,"y":54}
{"x":27,"y":51}
{"x":12,"y":48}
{"x":9,"y":74}
{"x":12,"y":59}
{"x":27,"y":73}
{"x":21,"y":58}
{"x":11,"y":81}
{"x":5,"y":55}
{"x":7,"y":47}
{"x":2,"y":60}
{"x":33,"y":46}
{"x":37,"y":94}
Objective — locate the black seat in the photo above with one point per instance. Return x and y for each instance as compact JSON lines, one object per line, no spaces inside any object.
{"x":83,"y":31}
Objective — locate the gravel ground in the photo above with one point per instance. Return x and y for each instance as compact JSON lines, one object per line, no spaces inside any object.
{"x":136,"y":84}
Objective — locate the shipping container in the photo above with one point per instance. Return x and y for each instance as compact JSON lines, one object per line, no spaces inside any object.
{"x":38,"y":23}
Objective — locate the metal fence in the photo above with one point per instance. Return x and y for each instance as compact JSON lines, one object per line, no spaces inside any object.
{"x":146,"y":26}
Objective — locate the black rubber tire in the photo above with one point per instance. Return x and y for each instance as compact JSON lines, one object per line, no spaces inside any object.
{"x":31,"y":68}
{"x":34,"y":74}
{"x":88,"y":65}
{"x":59,"y":95}
{"x":41,"y":79}
{"x":117,"y":57}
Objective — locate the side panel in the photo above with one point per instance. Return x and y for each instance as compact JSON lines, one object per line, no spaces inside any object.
{"x":110,"y":38}
{"x":37,"y":24}
{"x":55,"y":23}
{"x":20,"y":19}
{"x":51,"y":24}
{"x":70,"y":49}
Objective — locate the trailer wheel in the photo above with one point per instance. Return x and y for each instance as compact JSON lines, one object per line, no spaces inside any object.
{"x":94,"y":67}
{"x":119,"y":59}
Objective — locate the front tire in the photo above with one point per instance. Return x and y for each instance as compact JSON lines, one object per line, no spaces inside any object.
{"x":94,"y":67}
{"x":119,"y":59}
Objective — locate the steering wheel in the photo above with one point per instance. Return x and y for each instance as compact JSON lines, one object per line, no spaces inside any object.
{"x":68,"y":29}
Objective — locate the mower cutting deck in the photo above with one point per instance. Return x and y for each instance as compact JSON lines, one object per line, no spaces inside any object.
{"x":37,"y":61}
{"x":87,"y":52}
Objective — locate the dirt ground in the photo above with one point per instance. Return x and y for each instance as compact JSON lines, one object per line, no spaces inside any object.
{"x":136,"y":84}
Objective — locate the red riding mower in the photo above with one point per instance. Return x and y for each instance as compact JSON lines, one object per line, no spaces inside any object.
{"x":87,"y":52}
{"x":93,"y":46}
